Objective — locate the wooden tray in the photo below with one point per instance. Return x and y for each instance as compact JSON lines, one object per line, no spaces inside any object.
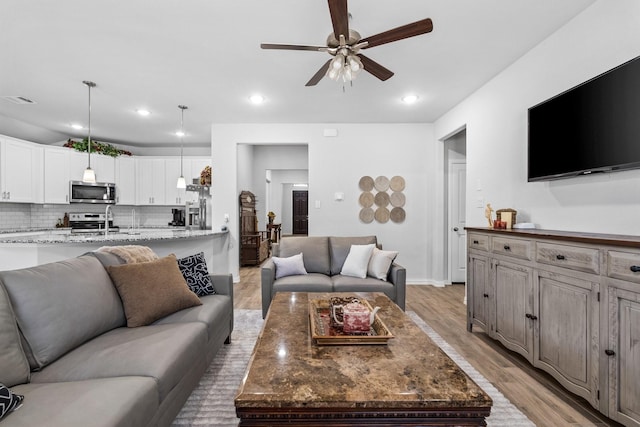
{"x":324,"y":334}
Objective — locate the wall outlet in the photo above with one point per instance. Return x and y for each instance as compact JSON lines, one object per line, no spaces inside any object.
{"x":226,"y":217}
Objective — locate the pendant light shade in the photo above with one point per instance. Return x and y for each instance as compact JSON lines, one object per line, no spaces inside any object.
{"x":182,"y":183}
{"x":89,"y":175}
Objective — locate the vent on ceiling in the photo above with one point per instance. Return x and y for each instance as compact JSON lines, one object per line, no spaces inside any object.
{"x":18,"y":99}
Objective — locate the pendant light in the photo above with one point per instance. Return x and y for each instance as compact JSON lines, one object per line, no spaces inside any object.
{"x":89,"y":175}
{"x":182,"y":183}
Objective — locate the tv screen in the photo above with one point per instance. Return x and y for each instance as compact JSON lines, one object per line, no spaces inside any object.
{"x":593,"y":127}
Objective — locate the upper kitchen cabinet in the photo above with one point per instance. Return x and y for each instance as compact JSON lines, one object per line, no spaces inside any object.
{"x":125,"y":180}
{"x":151,"y":181}
{"x":56,"y":175}
{"x":104,"y":166}
{"x":21,"y":165}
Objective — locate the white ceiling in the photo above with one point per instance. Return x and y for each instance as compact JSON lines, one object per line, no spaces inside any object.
{"x":206,"y":54}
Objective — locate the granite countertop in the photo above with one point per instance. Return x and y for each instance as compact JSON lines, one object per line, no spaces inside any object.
{"x":61,"y":235}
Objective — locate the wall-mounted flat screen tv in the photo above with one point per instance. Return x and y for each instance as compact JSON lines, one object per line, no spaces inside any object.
{"x":593,"y":127}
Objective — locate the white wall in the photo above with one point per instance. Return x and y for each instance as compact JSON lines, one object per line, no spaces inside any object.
{"x":281,"y":195}
{"x":602,"y":37}
{"x":336,"y":165}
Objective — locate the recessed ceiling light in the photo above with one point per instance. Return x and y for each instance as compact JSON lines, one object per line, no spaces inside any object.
{"x":256,"y":99}
{"x":410,"y":99}
{"x":180,"y":133}
{"x":76,"y":126}
{"x":143,"y":112}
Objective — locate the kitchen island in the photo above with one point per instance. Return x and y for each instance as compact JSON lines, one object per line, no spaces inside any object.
{"x":30,"y":248}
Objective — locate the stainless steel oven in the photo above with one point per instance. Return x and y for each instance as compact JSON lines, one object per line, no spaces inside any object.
{"x":85,"y":192}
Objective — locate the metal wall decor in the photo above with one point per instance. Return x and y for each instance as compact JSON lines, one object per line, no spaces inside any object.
{"x":382,"y":199}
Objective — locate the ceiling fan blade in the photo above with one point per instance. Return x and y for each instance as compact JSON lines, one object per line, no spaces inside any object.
{"x":292,"y":47}
{"x":319,"y":74}
{"x":374,"y":68}
{"x":404,"y":32}
{"x":339,"y":18}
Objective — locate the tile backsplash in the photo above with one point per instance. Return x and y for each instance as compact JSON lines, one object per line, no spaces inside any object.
{"x":26,"y":216}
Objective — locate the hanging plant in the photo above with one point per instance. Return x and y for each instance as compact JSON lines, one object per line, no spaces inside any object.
{"x":96,"y":147}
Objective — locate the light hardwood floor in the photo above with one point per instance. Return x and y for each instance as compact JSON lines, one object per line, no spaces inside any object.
{"x":534,"y":392}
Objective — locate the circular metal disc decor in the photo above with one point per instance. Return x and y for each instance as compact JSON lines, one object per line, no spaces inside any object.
{"x":366,"y":215}
{"x":366,"y":199}
{"x":398,"y":215}
{"x":382,"y":215}
{"x":397,"y":199}
{"x":382,"y":183}
{"x":397,"y":183}
{"x":366,"y":183}
{"x":381,"y":199}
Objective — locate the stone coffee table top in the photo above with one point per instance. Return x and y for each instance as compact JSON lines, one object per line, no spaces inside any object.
{"x":288,"y":371}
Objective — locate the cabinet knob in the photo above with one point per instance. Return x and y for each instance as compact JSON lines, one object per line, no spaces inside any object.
{"x":560,"y":257}
{"x":507,"y":247}
{"x":531,"y":316}
{"x":475,"y":242}
{"x":610,"y":352}
{"x":635,"y":268}
{"x":486,"y":295}
{"x":528,"y":316}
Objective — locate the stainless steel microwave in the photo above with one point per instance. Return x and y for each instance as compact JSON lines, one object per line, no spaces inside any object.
{"x":86,"y":192}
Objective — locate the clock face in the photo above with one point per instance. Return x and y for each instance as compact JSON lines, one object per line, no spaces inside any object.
{"x":249,"y":199}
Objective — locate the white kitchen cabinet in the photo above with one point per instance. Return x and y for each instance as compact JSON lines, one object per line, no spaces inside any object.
{"x":125,"y":180}
{"x":56,"y":175}
{"x":151,"y":181}
{"x":173,"y":194}
{"x":21,"y":165}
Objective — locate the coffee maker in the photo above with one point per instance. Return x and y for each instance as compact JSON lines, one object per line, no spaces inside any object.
{"x":178,"y":217}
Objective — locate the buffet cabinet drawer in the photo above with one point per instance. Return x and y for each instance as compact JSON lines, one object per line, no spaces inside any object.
{"x":513,"y":247}
{"x":624,"y":265}
{"x":572,"y":257}
{"x":478,"y":241}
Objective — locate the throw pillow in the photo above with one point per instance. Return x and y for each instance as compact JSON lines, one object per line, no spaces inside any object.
{"x":194,"y":270}
{"x":357,"y":261}
{"x":151,"y":290}
{"x":380,"y":263}
{"x":290,"y":266}
{"x":9,"y":401}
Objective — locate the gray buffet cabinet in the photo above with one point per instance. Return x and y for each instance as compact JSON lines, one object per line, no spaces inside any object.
{"x":569,"y":303}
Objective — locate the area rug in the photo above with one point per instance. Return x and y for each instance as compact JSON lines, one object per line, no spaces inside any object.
{"x":211,"y":403}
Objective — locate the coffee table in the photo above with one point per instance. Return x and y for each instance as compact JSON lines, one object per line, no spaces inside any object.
{"x":409,"y":381}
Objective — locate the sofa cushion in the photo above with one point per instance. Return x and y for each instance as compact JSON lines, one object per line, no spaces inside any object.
{"x":14,"y":367}
{"x":315,"y":252}
{"x":162,"y":352}
{"x":9,"y":401}
{"x":352,"y":284}
{"x":151,"y":290}
{"x":195,"y":272}
{"x":214,"y":313}
{"x":289,"y":266}
{"x":312,"y":282}
{"x":121,"y":401}
{"x":380,"y":263}
{"x":357,"y":261}
{"x":339,"y":249}
{"x":61,"y":305}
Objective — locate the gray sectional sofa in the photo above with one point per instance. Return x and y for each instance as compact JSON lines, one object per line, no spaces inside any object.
{"x":66,"y":347}
{"x":324,"y":257}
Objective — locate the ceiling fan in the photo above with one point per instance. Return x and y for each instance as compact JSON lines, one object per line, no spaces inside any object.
{"x":344,"y":44}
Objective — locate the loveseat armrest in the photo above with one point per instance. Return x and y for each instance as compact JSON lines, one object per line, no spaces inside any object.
{"x":223,"y":284}
{"x":398,"y":276}
{"x":267,"y":277}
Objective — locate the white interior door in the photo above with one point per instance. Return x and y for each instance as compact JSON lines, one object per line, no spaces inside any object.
{"x":457,"y":234}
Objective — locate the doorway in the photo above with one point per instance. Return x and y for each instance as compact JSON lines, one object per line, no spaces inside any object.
{"x":300,"y":214}
{"x":455,"y":158}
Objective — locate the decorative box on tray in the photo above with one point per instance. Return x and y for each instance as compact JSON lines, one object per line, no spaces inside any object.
{"x":345,"y":321}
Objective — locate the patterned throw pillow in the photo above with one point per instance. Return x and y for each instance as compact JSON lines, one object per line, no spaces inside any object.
{"x":9,"y":401}
{"x":194,"y":270}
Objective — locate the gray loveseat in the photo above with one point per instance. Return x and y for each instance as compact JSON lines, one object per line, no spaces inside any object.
{"x":323,"y":258}
{"x":67,"y":349}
